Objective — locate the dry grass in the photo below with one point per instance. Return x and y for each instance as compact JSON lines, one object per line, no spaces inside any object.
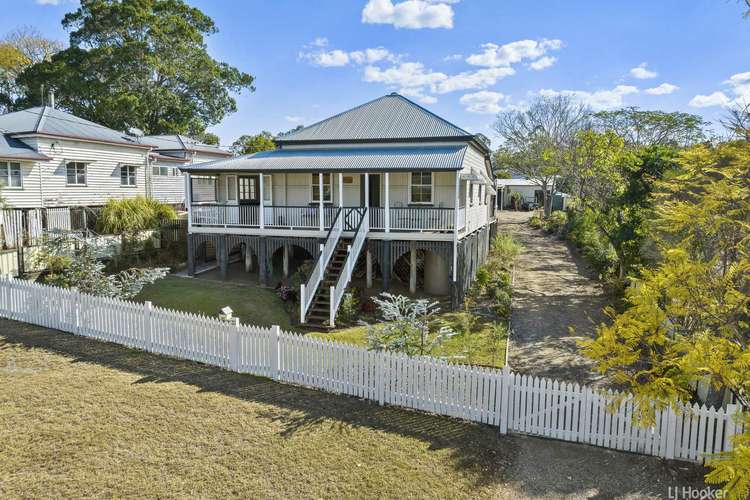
{"x":80,"y":418}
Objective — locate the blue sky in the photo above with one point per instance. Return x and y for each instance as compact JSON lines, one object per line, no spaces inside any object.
{"x":463,"y":59}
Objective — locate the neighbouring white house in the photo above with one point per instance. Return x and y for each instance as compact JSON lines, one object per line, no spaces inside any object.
{"x":387,"y":189}
{"x":51,"y":158}
{"x":530,"y":191}
{"x":171,"y":152}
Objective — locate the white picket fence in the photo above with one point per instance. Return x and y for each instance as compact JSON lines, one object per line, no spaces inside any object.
{"x":512,"y":402}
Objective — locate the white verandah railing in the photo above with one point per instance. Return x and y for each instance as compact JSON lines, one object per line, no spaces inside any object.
{"x":353,"y":251}
{"x":512,"y":402}
{"x":307,"y":291}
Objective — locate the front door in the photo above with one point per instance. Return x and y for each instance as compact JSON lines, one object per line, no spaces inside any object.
{"x":248,"y":190}
{"x":374,"y":200}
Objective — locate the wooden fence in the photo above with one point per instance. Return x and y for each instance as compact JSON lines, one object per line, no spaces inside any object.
{"x":512,"y":402}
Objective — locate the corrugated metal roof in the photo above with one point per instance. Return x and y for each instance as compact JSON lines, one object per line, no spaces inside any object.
{"x":13,"y":149}
{"x":389,"y":117}
{"x":340,"y":159}
{"x":53,"y":121}
{"x":182,"y":143}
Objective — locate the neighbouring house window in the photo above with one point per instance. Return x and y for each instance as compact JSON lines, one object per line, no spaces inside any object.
{"x":267,"y":190}
{"x":326,"y":188}
{"x":76,"y":173}
{"x":421,"y":188}
{"x":10,"y":175}
{"x":164,"y":171}
{"x":231,"y":188}
{"x":471,"y":195}
{"x":128,"y":175}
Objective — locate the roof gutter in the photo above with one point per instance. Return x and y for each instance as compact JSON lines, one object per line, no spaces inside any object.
{"x":20,"y":135}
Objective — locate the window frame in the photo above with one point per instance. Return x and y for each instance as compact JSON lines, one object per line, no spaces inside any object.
{"x":421,"y":185}
{"x":5,"y":180}
{"x":314,"y":186}
{"x":128,"y":176}
{"x":267,"y":190}
{"x":76,"y":174}
{"x":229,"y":189}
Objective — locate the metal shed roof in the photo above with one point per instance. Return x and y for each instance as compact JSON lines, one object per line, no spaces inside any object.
{"x":340,"y":159}
{"x":391,"y":117}
{"x":176,"y":142}
{"x":55,"y":122}
{"x":13,"y":149}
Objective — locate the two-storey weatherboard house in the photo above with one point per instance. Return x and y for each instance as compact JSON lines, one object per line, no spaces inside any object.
{"x":386,"y":189}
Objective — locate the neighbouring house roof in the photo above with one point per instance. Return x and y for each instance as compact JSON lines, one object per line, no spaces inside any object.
{"x":57,"y":123}
{"x":516,"y":182}
{"x":362,"y":159}
{"x":13,"y":149}
{"x":388,"y":118}
{"x":181,"y":143}
{"x":176,"y":159}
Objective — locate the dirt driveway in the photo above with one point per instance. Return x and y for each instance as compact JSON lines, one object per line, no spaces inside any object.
{"x":553,"y":291}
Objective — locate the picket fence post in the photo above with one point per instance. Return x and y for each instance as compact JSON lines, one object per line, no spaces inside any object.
{"x":234,"y":347}
{"x":148,"y":308}
{"x":76,"y":311}
{"x":731,"y":427}
{"x":503,"y":405}
{"x":275,"y":341}
{"x":671,"y":433}
{"x":380,"y":377}
{"x":4,"y":302}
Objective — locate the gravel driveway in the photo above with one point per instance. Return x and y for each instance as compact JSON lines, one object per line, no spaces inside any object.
{"x":553,"y":291}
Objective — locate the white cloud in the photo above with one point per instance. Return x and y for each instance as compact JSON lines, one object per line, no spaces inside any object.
{"x":294,"y":119}
{"x":598,"y":100}
{"x":483,"y":102}
{"x":642,"y":73}
{"x":411,"y":14}
{"x":739,"y":85}
{"x":418,"y":95}
{"x":338,"y":58}
{"x":707,"y":101}
{"x":453,"y":57}
{"x":480,"y":79}
{"x":663,"y":89}
{"x":513,"y":52}
{"x":542,"y":63}
{"x":404,"y":75}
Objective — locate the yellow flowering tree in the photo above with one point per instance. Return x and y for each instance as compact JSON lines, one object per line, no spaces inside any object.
{"x":688,"y":317}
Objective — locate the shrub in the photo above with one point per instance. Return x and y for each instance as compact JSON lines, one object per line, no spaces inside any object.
{"x":483,"y":278}
{"x":582,"y":231}
{"x":536,"y":221}
{"x":556,"y":222}
{"x":515,"y":200}
{"x":506,"y":249}
{"x":132,"y":215}
{"x":348,"y":309}
{"x":502,"y":303}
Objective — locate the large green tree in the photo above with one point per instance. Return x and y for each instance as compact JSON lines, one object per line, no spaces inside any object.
{"x":20,"y":49}
{"x":643,"y":128}
{"x":535,"y":140}
{"x":688,"y":316}
{"x":139,"y":63}
{"x":248,"y":144}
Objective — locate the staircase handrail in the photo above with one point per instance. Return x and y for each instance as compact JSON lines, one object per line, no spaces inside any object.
{"x":353,"y":251}
{"x":307,"y":291}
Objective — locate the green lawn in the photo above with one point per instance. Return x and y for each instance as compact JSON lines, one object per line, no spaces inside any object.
{"x":475,"y":348}
{"x":252,"y":304}
{"x":86,"y":419}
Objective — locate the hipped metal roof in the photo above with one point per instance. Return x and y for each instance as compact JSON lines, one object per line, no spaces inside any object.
{"x":365,"y":159}
{"x":391,"y":117}
{"x":13,"y":149}
{"x":55,"y":122}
